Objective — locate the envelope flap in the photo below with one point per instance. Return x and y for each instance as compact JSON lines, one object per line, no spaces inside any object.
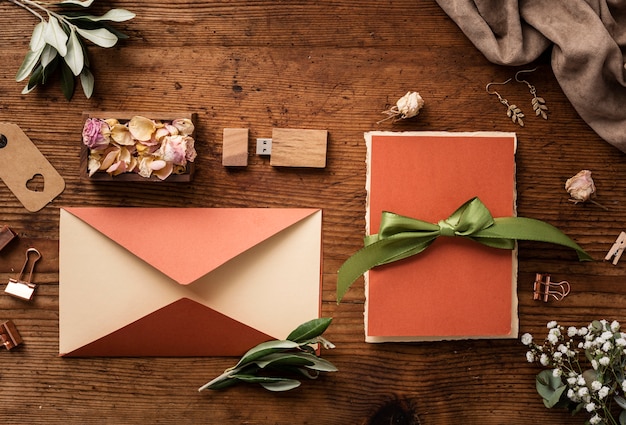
{"x":187,"y":243}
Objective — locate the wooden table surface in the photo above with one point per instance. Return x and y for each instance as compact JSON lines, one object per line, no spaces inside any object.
{"x":331,"y":65}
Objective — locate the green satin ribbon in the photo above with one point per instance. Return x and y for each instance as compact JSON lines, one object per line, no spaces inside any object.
{"x":401,"y":237}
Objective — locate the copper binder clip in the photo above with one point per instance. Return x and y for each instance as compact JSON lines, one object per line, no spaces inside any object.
{"x":20,"y":288}
{"x":617,"y":249}
{"x":9,"y":336}
{"x":544,"y":289}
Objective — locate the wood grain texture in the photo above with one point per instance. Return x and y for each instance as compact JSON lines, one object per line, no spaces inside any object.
{"x":235,"y":147}
{"x":332,"y":65}
{"x":296,"y":147}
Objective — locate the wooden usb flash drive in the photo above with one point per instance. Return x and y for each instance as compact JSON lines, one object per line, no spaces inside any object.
{"x":298,"y":148}
{"x":288,"y":147}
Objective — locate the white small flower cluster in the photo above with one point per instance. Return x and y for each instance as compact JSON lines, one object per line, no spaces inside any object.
{"x":589,"y":388}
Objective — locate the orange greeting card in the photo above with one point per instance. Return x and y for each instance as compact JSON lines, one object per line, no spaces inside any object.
{"x":456,"y":288}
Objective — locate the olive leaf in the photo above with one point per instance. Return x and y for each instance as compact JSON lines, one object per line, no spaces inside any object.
{"x":36,"y":39}
{"x":49,"y":69}
{"x":309,"y":330}
{"x":55,"y":36}
{"x":272,"y":364}
{"x":28,"y":64}
{"x":74,"y":57}
{"x":264,"y":349}
{"x":62,"y":35}
{"x":281,"y":359}
{"x":35,"y":78}
{"x":114,"y":15}
{"x":48,"y":55}
{"x":87,"y":82}
{"x":101,"y":36}
{"x":270,"y":383}
{"x":83,"y":3}
{"x":67,"y":81}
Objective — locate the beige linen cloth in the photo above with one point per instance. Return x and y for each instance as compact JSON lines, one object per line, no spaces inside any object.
{"x":588,"y":39}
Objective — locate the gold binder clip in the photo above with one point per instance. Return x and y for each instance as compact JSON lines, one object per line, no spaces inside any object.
{"x":617,"y":249}
{"x":20,"y":288}
{"x":9,"y":336}
{"x":544,"y":289}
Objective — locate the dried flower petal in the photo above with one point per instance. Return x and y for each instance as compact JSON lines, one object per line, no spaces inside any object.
{"x":174,"y":149}
{"x":184,"y":126}
{"x":157,"y":165}
{"x":173,"y":130}
{"x":161,"y":133}
{"x":93,"y":165}
{"x":141,"y":128}
{"x":164,"y":172}
{"x":109,"y":159}
{"x":121,"y":135}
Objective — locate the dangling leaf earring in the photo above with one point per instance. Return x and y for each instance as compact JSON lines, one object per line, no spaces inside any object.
{"x":539,"y":104}
{"x":512,"y":111}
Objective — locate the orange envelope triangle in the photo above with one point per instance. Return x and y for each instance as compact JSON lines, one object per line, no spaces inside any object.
{"x":185,"y":282}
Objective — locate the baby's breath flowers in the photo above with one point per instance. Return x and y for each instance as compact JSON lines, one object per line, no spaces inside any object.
{"x":144,"y":146}
{"x":586,"y":369}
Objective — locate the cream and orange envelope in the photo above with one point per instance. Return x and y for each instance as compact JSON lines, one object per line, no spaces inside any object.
{"x":185,"y":281}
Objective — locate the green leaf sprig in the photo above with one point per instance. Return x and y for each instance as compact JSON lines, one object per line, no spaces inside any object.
{"x":274,"y":364}
{"x":58,"y":43}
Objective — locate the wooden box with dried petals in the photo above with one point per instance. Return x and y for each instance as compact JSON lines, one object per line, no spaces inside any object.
{"x":127,"y":146}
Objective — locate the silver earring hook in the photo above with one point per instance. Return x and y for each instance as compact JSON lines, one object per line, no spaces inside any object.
{"x":524,"y":70}
{"x":512,"y":111}
{"x":493,"y":83}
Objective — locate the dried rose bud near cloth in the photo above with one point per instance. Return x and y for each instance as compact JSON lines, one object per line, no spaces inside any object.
{"x":580,"y":187}
{"x":407,"y":106}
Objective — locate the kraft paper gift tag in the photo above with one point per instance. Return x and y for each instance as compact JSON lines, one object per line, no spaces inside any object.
{"x":20,"y":162}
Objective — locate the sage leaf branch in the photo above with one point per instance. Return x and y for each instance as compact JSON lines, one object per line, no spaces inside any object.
{"x":274,"y":365}
{"x":62,"y":33}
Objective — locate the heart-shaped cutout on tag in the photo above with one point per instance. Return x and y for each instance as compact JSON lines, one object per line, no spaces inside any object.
{"x":35,"y":183}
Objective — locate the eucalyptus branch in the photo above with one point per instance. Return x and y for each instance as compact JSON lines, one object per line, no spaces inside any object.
{"x":58,"y":43}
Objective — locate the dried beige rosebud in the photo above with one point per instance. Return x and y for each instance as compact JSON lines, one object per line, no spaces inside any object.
{"x":410,"y":104}
{"x":580,"y":187}
{"x":407,"y":106}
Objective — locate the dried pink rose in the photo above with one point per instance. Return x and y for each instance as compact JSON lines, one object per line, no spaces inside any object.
{"x":580,"y":187}
{"x":174,"y":149}
{"x":93,"y":136}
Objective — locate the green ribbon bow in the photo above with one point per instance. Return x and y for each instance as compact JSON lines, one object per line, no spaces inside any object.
{"x":401,"y":237}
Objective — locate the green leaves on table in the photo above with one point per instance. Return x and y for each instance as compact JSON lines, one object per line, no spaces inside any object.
{"x":57,"y":45}
{"x":275,"y":365}
{"x":551,"y":389}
